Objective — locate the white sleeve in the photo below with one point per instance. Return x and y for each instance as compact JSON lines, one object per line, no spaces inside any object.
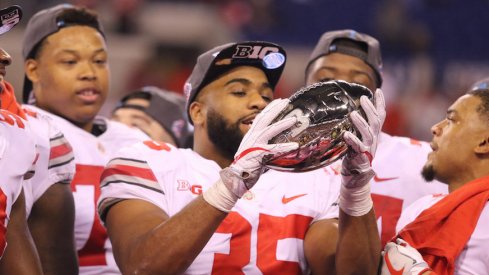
{"x":61,"y":165}
{"x":129,"y":176}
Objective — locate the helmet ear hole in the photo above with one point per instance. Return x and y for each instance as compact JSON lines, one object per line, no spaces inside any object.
{"x":323,"y":113}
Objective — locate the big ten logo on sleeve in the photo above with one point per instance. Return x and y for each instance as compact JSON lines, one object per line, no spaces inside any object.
{"x":388,"y":210}
{"x":183,"y":185}
{"x":91,"y":234}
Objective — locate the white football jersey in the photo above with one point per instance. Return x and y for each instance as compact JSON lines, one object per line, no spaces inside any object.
{"x":91,"y":155}
{"x":398,"y":182}
{"x":474,"y":258}
{"x":56,"y":161}
{"x":17,"y":157}
{"x":265,"y":231}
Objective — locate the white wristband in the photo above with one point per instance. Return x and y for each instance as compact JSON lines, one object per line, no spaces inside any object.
{"x":219,"y":196}
{"x":356,"y":201}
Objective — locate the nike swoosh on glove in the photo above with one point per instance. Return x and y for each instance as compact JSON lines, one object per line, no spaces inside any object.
{"x":401,"y":258}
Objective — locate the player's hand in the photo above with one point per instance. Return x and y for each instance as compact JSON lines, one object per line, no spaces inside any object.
{"x":356,"y":169}
{"x":401,"y":258}
{"x":357,"y":164}
{"x":247,"y":167}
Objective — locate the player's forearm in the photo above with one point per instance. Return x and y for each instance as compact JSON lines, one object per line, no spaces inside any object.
{"x":173,"y":245}
{"x":58,"y":253}
{"x":358,"y":248}
{"x":20,"y":256}
{"x":51,"y":223}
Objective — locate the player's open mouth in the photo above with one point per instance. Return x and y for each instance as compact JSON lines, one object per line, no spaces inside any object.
{"x":248,"y":121}
{"x":88,"y":95}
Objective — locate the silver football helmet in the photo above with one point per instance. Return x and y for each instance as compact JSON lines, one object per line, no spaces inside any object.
{"x":322,"y":110}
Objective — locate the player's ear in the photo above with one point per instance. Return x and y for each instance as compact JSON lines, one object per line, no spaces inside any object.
{"x":30,"y":68}
{"x":197,"y":112}
{"x":483,"y":146}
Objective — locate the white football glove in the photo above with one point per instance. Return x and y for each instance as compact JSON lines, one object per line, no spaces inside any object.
{"x":356,"y":168}
{"x":247,"y":166}
{"x":401,"y":258}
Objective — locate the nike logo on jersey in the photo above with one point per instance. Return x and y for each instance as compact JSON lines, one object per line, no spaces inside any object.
{"x":378,"y":179}
{"x":289,"y":199}
{"x":391,"y":268}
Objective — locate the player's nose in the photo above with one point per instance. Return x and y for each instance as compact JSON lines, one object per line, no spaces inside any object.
{"x":5,"y":58}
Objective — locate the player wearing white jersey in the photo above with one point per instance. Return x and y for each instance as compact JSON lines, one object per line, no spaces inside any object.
{"x":449,"y":233}
{"x":91,"y":155}
{"x":355,"y":57}
{"x":170,"y":210}
{"x":286,"y":202}
{"x":49,"y":201}
{"x":17,"y":157}
{"x":67,"y":78}
{"x":55,"y":158}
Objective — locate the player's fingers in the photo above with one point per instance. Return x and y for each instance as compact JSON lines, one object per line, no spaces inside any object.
{"x":389,"y":246}
{"x":267,"y":115}
{"x":362,"y":127}
{"x":373,"y":117}
{"x":276,"y":128}
{"x":380,"y":104}
{"x":400,"y":241}
{"x":354,"y":142}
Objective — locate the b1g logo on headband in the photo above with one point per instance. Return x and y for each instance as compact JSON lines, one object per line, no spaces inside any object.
{"x":271,"y":56}
{"x":243,"y":51}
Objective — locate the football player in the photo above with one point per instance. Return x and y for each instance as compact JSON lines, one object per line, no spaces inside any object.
{"x":170,"y":210}
{"x":67,"y":80}
{"x":17,"y":156}
{"x":448,"y":234}
{"x":355,"y":57}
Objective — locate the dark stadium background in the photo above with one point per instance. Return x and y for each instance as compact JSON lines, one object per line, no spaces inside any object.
{"x":433,"y":49}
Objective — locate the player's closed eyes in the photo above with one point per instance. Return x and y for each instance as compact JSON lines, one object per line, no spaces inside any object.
{"x":100,"y":61}
{"x":239,"y":93}
{"x":69,"y":62}
{"x":267,"y":98}
{"x":450,"y":116}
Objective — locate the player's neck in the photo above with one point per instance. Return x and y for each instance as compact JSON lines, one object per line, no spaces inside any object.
{"x":476,"y":170}
{"x":205,"y":148}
